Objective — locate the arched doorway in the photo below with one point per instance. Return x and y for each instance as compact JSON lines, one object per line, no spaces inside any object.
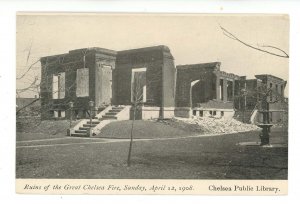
{"x":195,"y":93}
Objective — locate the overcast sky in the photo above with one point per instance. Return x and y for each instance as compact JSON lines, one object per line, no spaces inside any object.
{"x":191,"y":38}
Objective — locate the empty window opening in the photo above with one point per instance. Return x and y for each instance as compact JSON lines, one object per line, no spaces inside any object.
{"x":271,"y":117}
{"x":62,"y":114}
{"x":194,"y":112}
{"x":82,"y":82}
{"x":106,"y":82}
{"x":138,"y":85}
{"x":201,"y":113}
{"x":59,"y":113}
{"x":222,"y":113}
{"x":58,"y":86}
{"x":230,"y":90}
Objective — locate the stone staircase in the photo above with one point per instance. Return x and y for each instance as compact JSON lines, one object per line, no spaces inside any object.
{"x":83,"y":128}
{"x":112,"y":114}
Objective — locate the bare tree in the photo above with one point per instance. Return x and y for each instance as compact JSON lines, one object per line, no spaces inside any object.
{"x":140,"y":97}
{"x":262,"y":48}
{"x":36,"y":83}
{"x":137,"y":97}
{"x":263,"y":96}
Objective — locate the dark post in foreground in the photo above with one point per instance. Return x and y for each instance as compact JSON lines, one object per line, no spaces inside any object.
{"x":91,"y":105}
{"x":71,"y":104}
{"x":131,"y":135}
{"x":266,"y":126}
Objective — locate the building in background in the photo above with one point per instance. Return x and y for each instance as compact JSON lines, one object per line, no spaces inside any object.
{"x":273,"y":87}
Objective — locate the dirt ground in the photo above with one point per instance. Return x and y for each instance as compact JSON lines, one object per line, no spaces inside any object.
{"x":186,"y":155}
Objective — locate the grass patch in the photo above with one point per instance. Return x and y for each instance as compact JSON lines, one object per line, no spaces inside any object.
{"x":29,"y":129}
{"x":215,"y":157}
{"x":147,"y":129}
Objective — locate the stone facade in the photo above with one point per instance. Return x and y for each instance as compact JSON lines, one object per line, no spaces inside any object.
{"x":105,"y":77}
{"x":158,"y":64}
{"x":250,"y":98}
{"x":60,"y":78}
{"x":202,"y":89}
{"x":278,"y":108}
{"x":147,"y":76}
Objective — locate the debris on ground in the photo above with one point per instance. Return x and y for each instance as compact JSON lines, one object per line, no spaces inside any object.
{"x":218,"y":125}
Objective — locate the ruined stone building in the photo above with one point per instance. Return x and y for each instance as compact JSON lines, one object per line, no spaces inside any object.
{"x":78,"y":76}
{"x":204,"y":90}
{"x":273,"y":87}
{"x":156,"y":66}
{"x":148,"y":76}
{"x":108,"y":77}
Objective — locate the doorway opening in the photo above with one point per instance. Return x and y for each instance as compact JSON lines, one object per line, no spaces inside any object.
{"x":138,"y":85}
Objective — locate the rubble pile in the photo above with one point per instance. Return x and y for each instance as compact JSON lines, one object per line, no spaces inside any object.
{"x":218,"y":125}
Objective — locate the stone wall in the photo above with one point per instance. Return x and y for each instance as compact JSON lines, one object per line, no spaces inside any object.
{"x":68,"y":63}
{"x":160,"y":75}
{"x":186,"y":74}
{"x":186,"y":87}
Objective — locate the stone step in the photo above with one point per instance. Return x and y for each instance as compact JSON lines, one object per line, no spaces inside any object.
{"x":112,"y":113}
{"x":84,"y":128}
{"x":88,"y":125}
{"x":81,"y":131}
{"x":109,"y":117}
{"x":93,"y":122}
{"x":79,"y":135}
{"x":117,"y":108}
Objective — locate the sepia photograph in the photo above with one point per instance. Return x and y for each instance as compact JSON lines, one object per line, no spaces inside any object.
{"x":187,"y":97}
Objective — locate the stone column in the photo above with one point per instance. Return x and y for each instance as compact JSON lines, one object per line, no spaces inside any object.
{"x":225,"y":89}
{"x":114,"y":87}
{"x":233,"y":94}
{"x":218,"y":87}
